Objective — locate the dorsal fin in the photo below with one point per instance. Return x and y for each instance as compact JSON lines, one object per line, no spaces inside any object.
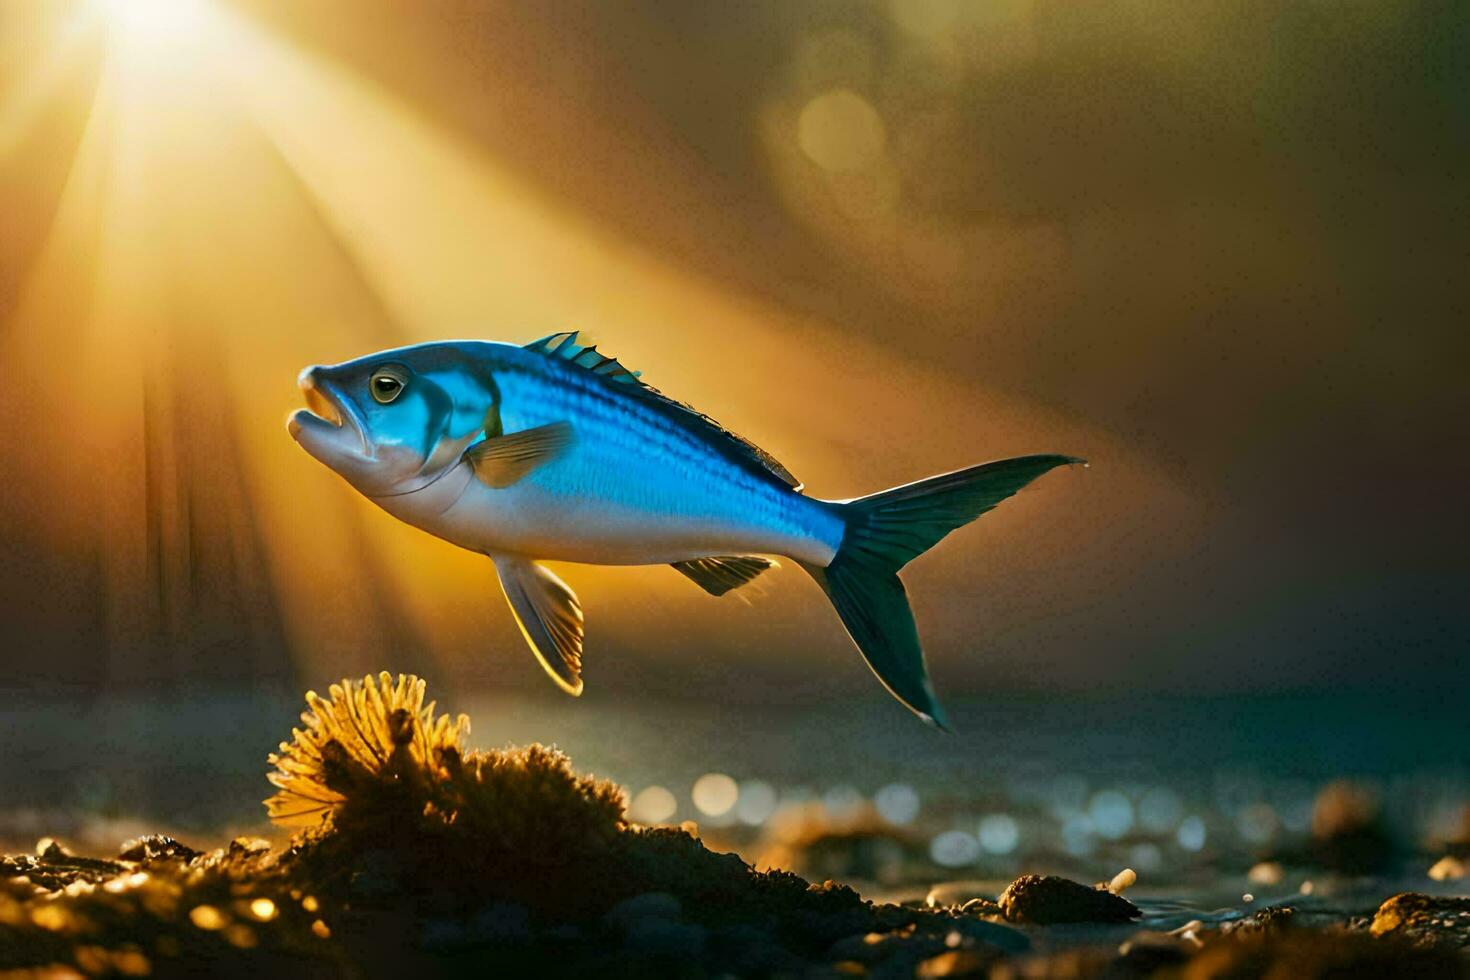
{"x":564,"y":346}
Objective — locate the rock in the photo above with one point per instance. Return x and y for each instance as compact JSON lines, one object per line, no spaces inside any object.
{"x":1047,"y":899}
{"x":1426,"y":920}
{"x":1310,"y":954}
{"x":981,"y":906}
{"x":1000,"y":936}
{"x":1272,"y":918}
{"x":566,"y":933}
{"x":1148,"y":953}
{"x":156,"y":847}
{"x":442,"y":934}
{"x":51,"y":850}
{"x":665,"y":938}
{"x":752,"y":951}
{"x":897,"y":948}
{"x":376,"y":877}
{"x":649,"y":905}
{"x":55,"y":868}
{"x":865,"y":948}
{"x":501,"y":924}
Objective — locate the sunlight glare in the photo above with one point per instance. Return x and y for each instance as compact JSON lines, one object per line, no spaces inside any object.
{"x":154,"y":24}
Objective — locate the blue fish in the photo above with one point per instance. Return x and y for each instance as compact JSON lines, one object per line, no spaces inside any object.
{"x":554,"y":451}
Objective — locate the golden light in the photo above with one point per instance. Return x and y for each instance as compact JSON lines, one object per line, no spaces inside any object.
{"x":263,"y":909}
{"x":238,"y":205}
{"x":155,"y":24}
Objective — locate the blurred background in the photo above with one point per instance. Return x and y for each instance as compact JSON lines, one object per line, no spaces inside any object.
{"x":1217,"y":248}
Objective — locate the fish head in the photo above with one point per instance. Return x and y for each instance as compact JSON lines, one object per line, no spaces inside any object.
{"x":394,"y":422}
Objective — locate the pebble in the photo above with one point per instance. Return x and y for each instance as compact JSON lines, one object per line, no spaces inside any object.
{"x":665,"y":937}
{"x":155,"y":847}
{"x":1424,"y":919}
{"x":649,"y":905}
{"x":1047,"y":899}
{"x":995,"y":934}
{"x":502,"y":924}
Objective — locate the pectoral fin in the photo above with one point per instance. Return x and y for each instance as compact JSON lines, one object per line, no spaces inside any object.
{"x":723,"y":574}
{"x":550,"y":618}
{"x":501,"y":460}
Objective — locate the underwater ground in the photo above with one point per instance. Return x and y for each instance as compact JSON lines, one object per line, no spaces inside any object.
{"x":812,"y":845}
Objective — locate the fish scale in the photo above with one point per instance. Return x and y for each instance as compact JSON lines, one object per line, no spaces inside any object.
{"x":626,"y":454}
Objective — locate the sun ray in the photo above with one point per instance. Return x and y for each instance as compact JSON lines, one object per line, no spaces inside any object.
{"x":26,"y":97}
{"x":241,"y":206}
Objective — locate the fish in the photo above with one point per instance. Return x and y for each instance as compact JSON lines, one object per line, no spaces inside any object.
{"x":554,"y":451}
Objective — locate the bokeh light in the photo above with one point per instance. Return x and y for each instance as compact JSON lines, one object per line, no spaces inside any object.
{"x":999,"y":833}
{"x":1079,"y":837}
{"x":1159,"y":810}
{"x":842,"y":802}
{"x":1257,"y":823}
{"x":756,"y":803}
{"x":1191,"y":834}
{"x":1111,"y":814}
{"x":653,"y":805}
{"x":841,"y":131}
{"x":714,"y":794}
{"x":954,"y":849}
{"x":897,"y":803}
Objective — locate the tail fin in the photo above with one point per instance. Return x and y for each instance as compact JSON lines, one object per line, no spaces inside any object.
{"x":884,"y":533}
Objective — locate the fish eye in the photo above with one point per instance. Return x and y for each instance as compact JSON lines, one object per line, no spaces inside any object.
{"x":387,"y":383}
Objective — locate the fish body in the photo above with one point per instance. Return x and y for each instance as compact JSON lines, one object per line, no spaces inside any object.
{"x":553,"y":451}
{"x":631,"y":488}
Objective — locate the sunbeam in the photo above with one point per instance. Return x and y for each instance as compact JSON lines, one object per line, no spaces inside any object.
{"x":251,"y":206}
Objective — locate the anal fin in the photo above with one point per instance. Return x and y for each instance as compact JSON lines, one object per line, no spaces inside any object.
{"x":724,"y":573}
{"x":549,"y":615}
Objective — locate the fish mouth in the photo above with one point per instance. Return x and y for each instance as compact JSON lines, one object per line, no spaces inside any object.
{"x":329,"y":416}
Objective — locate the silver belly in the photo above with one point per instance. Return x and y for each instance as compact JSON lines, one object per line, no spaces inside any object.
{"x":598,"y":508}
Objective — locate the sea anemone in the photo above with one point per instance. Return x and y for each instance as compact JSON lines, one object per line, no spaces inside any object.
{"x":375,"y":771}
{"x":374,"y":755}
{"x":365,"y":735}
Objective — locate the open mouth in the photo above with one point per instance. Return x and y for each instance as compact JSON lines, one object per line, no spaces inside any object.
{"x":327,"y":416}
{"x":320,"y":404}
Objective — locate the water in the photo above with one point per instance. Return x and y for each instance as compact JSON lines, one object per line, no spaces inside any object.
{"x":1189,"y":791}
